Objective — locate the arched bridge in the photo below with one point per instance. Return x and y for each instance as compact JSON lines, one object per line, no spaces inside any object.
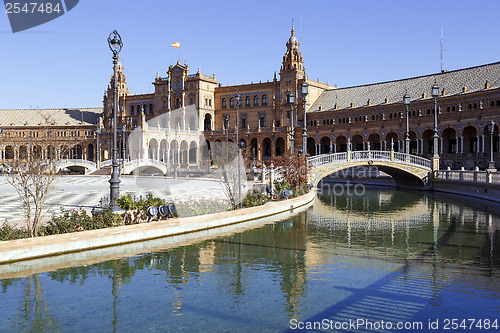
{"x":406,"y":169}
{"x":76,"y":164}
{"x":132,"y":165}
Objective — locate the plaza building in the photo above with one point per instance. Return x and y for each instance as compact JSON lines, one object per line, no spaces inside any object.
{"x":54,"y":134}
{"x":190,"y":112}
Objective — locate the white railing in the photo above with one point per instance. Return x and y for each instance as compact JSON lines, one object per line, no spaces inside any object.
{"x":105,"y":163}
{"x":413,"y":159}
{"x":318,"y":160}
{"x":146,"y":161}
{"x":484,"y":177}
{"x":77,"y":161}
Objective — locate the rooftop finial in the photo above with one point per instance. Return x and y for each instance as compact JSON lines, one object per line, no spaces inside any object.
{"x":293,"y":29}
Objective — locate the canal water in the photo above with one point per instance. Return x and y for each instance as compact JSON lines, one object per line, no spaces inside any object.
{"x":375,"y":262}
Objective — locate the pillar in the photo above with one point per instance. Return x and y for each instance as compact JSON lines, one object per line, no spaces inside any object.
{"x":461,"y":144}
{"x":482,"y":143}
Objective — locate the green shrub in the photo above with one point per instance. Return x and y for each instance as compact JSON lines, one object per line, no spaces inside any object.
{"x":126,"y":202}
{"x":8,"y":232}
{"x":254,"y":199}
{"x":78,"y":220}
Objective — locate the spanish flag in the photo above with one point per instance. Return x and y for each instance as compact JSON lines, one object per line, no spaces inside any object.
{"x":177,"y":45}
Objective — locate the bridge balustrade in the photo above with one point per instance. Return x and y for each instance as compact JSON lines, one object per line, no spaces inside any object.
{"x":469,"y":176}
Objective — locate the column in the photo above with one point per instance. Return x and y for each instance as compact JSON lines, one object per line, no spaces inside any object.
{"x":477,"y":144}
{"x":418,"y":146}
{"x":457,"y":148}
{"x":461,"y":144}
{"x":441,"y":145}
{"x":482,"y":143}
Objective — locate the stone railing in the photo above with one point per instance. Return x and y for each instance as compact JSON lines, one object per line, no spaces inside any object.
{"x":469,"y":176}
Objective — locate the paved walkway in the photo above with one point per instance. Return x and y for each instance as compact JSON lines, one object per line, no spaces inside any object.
{"x":86,"y":191}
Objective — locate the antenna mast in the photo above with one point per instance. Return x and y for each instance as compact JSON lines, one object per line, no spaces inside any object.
{"x":441,"y":45}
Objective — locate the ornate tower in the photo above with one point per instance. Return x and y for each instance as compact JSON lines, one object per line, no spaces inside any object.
{"x":292,"y":60}
{"x":123,"y":91}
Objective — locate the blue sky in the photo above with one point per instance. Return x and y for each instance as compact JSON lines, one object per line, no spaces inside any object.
{"x":67,"y":63}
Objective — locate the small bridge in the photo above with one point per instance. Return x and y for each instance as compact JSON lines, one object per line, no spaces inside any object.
{"x":132,"y":165}
{"x":406,"y":169}
{"x":76,"y":164}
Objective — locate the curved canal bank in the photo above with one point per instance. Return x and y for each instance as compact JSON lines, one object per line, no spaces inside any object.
{"x":40,"y":247}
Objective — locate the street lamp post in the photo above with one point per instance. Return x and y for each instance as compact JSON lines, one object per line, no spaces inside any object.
{"x":291,"y":101}
{"x":435,"y":94}
{"x":238,"y":98}
{"x":115,"y":45}
{"x":305,"y":91}
{"x":406,"y":101}
{"x":177,"y":146}
{"x":98,"y":152}
{"x":491,"y":128}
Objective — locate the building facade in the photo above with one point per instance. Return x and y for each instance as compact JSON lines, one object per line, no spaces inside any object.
{"x":189,"y":112}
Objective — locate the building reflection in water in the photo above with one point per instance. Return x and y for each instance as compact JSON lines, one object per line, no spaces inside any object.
{"x":421,"y":238}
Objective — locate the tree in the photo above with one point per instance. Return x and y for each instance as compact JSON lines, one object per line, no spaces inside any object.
{"x":225,"y":156}
{"x":294,"y":169}
{"x":32,"y":175}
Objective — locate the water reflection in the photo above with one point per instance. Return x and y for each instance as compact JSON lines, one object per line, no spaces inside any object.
{"x":388,"y":255}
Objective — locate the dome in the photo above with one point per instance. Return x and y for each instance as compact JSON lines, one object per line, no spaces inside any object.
{"x":293,"y":40}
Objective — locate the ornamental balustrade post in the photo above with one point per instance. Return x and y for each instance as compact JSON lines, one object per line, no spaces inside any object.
{"x":263,"y":173}
{"x":271,"y":178}
{"x":349,"y":149}
{"x":392,"y":149}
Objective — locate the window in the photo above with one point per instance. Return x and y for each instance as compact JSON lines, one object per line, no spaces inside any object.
{"x":132,"y":110}
{"x":262,"y":119}
{"x":448,"y":109}
{"x":206,"y":101}
{"x":243,"y":121}
{"x":224,"y":105}
{"x":453,"y":108}
{"x":240,"y":102}
{"x":492,"y":103}
{"x":231,"y":102}
{"x":475,"y":106}
{"x":209,"y":102}
{"x":469,"y":106}
{"x":164,"y":104}
{"x":498,"y":102}
{"x":264,"y":100}
{"x":191,"y":100}
{"x":256,"y":100}
{"x":225,"y":121}
{"x":144,"y":108}
{"x":151,"y":108}
{"x":247,"y":101}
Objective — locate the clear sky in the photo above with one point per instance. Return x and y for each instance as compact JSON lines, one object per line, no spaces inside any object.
{"x":67,"y":63}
